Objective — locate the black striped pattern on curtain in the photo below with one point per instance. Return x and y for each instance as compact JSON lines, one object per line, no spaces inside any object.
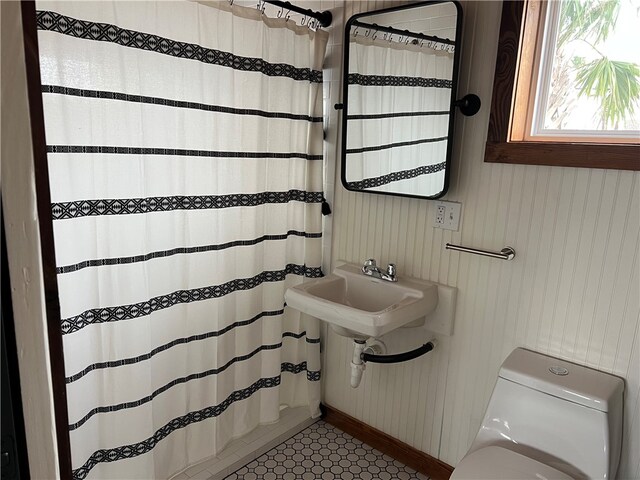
{"x":105,"y":32}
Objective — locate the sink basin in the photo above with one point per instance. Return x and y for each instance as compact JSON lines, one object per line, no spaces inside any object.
{"x":360,"y":306}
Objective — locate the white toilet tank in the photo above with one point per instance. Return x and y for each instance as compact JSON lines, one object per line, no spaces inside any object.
{"x":564,"y":415}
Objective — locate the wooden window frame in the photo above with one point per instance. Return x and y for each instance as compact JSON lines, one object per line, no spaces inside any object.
{"x":499,"y":148}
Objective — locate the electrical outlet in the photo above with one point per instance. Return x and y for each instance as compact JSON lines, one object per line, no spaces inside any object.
{"x":440,"y":212}
{"x":447,"y":215}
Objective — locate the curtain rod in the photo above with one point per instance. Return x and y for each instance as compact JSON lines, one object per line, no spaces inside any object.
{"x":324,"y":18}
{"x":408,"y":33}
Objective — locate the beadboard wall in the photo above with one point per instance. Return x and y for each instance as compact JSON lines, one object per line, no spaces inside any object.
{"x":572,"y":291}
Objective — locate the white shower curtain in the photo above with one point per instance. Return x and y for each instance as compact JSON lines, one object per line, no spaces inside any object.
{"x":185,"y":159}
{"x":399,"y":104}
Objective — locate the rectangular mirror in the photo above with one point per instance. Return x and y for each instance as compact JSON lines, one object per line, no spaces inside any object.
{"x":400,"y":70}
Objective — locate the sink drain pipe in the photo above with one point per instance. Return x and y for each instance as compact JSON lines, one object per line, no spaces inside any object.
{"x":357,"y":365}
{"x":399,"y":357}
{"x":363,"y":353}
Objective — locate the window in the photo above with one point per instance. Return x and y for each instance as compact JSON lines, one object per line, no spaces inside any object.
{"x":573,"y":76}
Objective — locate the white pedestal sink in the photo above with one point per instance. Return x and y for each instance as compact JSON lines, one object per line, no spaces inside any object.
{"x":360,"y":306}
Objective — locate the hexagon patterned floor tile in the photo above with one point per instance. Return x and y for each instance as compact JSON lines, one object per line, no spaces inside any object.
{"x":323,"y":452}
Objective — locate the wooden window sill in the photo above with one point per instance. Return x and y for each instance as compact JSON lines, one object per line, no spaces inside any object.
{"x":619,"y":156}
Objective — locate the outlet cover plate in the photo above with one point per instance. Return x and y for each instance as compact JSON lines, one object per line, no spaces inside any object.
{"x":447,"y":215}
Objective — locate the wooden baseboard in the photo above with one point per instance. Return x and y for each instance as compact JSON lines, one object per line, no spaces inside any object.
{"x":410,"y":456}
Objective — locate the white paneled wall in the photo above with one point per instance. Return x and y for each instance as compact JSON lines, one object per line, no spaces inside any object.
{"x":572,"y":291}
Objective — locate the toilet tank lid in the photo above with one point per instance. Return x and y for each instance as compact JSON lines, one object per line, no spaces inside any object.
{"x":576,"y":383}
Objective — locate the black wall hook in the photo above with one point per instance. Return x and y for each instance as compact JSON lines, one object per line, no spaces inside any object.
{"x":469,"y":105}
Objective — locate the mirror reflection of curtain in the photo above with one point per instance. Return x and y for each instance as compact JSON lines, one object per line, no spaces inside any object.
{"x":185,"y":159}
{"x":398,"y":116}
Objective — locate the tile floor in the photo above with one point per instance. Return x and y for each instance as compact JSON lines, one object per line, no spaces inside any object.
{"x":321,"y":452}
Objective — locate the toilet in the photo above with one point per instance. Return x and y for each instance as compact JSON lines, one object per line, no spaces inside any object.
{"x":547,"y":419}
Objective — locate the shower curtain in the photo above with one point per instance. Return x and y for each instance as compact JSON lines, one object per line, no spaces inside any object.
{"x":399,"y":102}
{"x":185,"y":159}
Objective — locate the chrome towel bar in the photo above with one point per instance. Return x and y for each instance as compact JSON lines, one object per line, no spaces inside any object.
{"x":507,"y":253}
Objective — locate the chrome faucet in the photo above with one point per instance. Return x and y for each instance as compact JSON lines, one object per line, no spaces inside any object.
{"x":371,"y":269}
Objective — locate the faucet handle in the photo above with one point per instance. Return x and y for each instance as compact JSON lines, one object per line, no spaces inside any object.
{"x":391,"y":269}
{"x":371,"y":262}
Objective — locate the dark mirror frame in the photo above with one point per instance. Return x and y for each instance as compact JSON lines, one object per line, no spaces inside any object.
{"x":452,"y":106}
